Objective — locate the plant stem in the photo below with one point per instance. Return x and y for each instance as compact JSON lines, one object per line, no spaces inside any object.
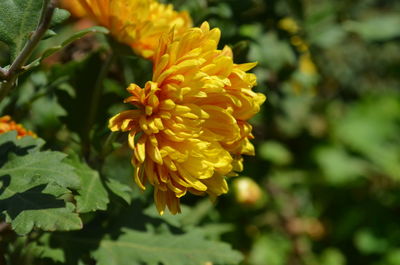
{"x":95,"y":101}
{"x":17,"y":67}
{"x":3,"y":73}
{"x":300,"y":252}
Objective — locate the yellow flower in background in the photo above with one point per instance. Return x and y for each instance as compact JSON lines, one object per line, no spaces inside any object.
{"x":137,"y":23}
{"x":306,"y":65}
{"x":188,"y":126}
{"x":289,"y":24}
{"x":74,"y":7}
{"x":305,"y":78}
{"x":7,"y":124}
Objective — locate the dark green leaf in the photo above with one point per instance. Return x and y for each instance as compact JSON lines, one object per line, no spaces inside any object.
{"x":134,"y":247}
{"x":33,"y":184}
{"x":39,"y":208}
{"x":18,"y":18}
{"x":92,"y":193}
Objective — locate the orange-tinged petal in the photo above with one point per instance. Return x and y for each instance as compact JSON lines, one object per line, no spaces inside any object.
{"x":140,"y":149}
{"x":137,"y":23}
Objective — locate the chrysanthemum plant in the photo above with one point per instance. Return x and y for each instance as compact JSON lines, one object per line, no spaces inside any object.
{"x":67,"y":189}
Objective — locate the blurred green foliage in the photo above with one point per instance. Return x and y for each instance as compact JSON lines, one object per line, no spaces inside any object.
{"x":327,"y":139}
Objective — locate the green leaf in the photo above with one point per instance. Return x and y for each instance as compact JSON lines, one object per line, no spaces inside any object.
{"x":34,"y":186}
{"x":39,"y":208}
{"x":275,"y":152}
{"x":81,"y":33}
{"x":77,"y":35}
{"x":59,"y":16}
{"x":278,"y":55}
{"x":92,"y":193}
{"x":332,"y":256}
{"x":26,"y":165}
{"x":119,"y":176}
{"x":271,"y":249}
{"x":124,"y":191}
{"x":371,"y":128}
{"x":189,"y":218}
{"x":392,"y":257}
{"x":83,"y":77}
{"x":368,"y":243}
{"x":8,"y":143}
{"x":338,"y":166}
{"x":36,"y":169}
{"x":134,"y":247}
{"x":18,"y":18}
{"x":42,"y":248}
{"x":378,"y":28}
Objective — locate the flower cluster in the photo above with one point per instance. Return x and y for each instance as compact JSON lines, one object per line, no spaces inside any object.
{"x":189,"y":127}
{"x":7,"y":124}
{"x":137,"y":23}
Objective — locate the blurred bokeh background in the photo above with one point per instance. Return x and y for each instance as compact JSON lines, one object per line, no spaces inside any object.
{"x":324,"y":186}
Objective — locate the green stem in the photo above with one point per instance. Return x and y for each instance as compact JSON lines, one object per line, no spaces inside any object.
{"x":94,"y":103}
{"x":107,"y":147}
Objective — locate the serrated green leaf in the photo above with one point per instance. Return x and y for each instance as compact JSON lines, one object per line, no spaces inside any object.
{"x":35,"y":169}
{"x":9,"y":144}
{"x":32,"y":184}
{"x":38,"y":208}
{"x":92,"y":193}
{"x":18,"y":18}
{"x":120,"y":189}
{"x":134,"y":247}
{"x":189,"y":218}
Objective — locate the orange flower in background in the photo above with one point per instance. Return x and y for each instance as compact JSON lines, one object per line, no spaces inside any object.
{"x":188,"y":127}
{"x":137,"y":23}
{"x":7,"y":124}
{"x":74,"y":7}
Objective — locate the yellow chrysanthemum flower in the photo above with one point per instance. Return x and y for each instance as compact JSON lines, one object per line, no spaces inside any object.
{"x":7,"y":124}
{"x":189,"y":128}
{"x":74,"y":7}
{"x":137,"y":23}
